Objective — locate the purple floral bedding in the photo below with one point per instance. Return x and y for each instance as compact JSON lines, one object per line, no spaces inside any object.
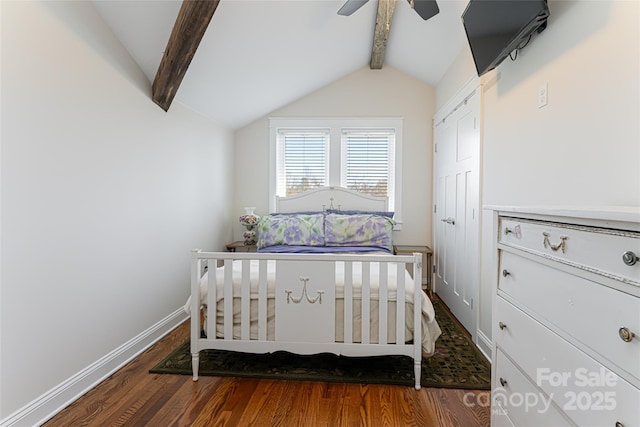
{"x":325,"y":232}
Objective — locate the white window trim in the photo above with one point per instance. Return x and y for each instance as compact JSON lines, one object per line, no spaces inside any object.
{"x":279,"y":161}
{"x":336,"y":125}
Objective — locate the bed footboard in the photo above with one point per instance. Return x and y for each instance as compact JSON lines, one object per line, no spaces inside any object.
{"x":259,"y":303}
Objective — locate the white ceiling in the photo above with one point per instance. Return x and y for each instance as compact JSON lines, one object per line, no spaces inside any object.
{"x":259,"y":55}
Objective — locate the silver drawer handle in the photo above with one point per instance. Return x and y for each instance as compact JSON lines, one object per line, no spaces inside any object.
{"x":505,"y":273}
{"x":503,"y":382}
{"x":502,"y":325}
{"x":625,"y":334}
{"x":548,"y":244}
{"x":619,"y":424}
{"x":629,"y":258}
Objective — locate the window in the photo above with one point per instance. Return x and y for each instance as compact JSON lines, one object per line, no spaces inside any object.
{"x":359,"y":154}
{"x":301,"y":161}
{"x":367,"y":159}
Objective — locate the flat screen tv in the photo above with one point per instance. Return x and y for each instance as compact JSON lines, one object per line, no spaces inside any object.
{"x":495,"y":28}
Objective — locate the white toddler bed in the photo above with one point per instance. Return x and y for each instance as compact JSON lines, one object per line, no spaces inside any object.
{"x":354,"y":304}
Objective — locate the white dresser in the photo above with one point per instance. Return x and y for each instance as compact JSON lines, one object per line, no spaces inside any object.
{"x":566,"y":318}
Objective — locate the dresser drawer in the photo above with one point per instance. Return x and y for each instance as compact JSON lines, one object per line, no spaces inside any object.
{"x":524,"y":404}
{"x":594,"y":249}
{"x":590,"y":313}
{"x":588,"y":392}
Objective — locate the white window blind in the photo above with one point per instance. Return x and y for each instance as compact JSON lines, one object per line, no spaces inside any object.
{"x":302,"y":158}
{"x":368,"y":162}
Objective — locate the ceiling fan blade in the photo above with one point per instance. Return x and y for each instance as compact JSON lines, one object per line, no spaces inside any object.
{"x":351,"y":6}
{"x":425,"y":8}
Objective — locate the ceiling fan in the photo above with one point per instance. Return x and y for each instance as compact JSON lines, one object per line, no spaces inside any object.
{"x":425,"y":8}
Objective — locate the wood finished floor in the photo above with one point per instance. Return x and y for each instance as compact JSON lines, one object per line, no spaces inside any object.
{"x":133,"y":397}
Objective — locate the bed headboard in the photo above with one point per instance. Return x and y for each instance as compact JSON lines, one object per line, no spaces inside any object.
{"x":324,"y":198}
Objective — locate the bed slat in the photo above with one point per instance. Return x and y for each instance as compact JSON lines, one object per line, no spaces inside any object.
{"x":400,"y":301}
{"x":366,"y":302}
{"x":212,"y":296}
{"x":383,"y":272}
{"x":228,"y":299}
{"x":245,"y":300}
{"x":262,"y":300}
{"x":348,"y":302}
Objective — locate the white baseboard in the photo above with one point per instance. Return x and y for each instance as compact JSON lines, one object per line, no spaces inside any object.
{"x":49,"y":404}
{"x":484,"y":344}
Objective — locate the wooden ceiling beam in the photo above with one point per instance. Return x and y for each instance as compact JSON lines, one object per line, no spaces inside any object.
{"x":192,"y":22}
{"x":381,"y":32}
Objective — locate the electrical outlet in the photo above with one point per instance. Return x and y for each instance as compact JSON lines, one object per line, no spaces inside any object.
{"x":542,"y":95}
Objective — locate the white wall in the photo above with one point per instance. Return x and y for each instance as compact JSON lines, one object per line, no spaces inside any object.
{"x":364,"y":93}
{"x":583,"y":148}
{"x":103,"y":196}
{"x":459,"y":72}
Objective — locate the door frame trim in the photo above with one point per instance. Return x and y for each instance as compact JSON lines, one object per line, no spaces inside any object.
{"x":470,"y":88}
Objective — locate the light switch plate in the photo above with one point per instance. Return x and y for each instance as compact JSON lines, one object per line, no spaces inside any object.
{"x":542,"y":95}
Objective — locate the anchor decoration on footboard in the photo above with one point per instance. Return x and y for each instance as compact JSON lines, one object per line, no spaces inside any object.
{"x":304,"y":294}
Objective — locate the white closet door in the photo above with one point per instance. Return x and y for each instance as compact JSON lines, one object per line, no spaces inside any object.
{"x":457,"y":210}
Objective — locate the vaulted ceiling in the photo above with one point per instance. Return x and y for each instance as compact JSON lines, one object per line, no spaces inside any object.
{"x":259,"y":55}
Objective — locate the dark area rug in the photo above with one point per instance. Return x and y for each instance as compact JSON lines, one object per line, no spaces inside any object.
{"x":457,"y":363}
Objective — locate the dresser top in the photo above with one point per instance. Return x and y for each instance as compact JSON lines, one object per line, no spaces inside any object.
{"x":629,"y":215}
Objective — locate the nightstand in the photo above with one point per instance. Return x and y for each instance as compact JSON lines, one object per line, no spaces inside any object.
{"x":426,"y":251}
{"x":239,"y":246}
